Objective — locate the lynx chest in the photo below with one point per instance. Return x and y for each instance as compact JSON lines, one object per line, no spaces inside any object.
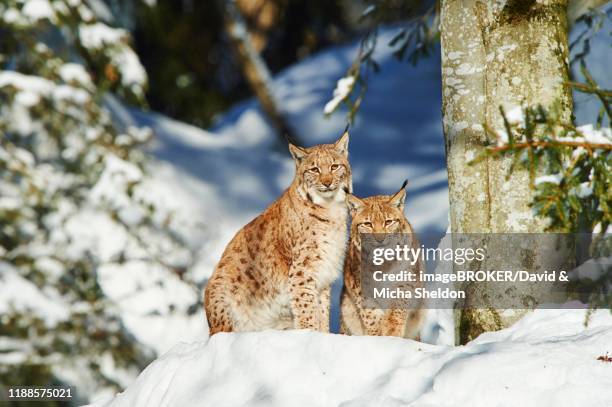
{"x":332,"y":248}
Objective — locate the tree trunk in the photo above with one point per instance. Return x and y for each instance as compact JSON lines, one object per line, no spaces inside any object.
{"x":255,"y":70}
{"x":496,"y":53}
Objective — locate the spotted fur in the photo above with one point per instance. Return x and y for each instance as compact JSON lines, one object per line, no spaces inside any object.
{"x":277,"y":271}
{"x":376,"y":214}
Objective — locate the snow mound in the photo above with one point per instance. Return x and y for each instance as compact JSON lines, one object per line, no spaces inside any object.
{"x":547,"y":359}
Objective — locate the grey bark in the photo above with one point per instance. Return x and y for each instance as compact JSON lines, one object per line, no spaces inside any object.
{"x":496,"y":53}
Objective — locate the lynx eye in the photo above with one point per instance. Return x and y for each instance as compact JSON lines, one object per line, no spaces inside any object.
{"x":314,"y":170}
{"x":366,"y":224}
{"x":335,"y":167}
{"x":390,"y":222}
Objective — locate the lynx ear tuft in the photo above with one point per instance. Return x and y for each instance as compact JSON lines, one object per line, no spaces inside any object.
{"x":298,"y":153}
{"x":355,"y":204}
{"x":341,"y":144}
{"x":399,"y":197}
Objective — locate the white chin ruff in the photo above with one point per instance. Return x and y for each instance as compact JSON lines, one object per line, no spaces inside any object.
{"x":325,"y":197}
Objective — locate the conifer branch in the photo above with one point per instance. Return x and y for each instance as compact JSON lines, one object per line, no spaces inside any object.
{"x":551,"y":143}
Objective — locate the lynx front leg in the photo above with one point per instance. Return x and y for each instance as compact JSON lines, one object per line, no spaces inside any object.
{"x":324,"y":308}
{"x":370,"y":320}
{"x":305,"y":305}
{"x":350,"y":321}
{"x":394,"y":322}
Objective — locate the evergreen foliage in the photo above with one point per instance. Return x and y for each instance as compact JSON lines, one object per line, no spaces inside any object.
{"x":569,"y":165}
{"x":535,"y":136}
{"x":67,"y":166}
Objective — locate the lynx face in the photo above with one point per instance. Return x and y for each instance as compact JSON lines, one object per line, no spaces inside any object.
{"x":323,"y":171}
{"x":381,"y":214}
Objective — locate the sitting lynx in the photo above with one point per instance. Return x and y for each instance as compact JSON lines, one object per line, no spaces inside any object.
{"x":277,"y":271}
{"x":376,"y":214}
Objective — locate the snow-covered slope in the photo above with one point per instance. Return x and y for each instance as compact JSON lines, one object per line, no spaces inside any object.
{"x":222,"y":178}
{"x":397,"y":134}
{"x":547,"y":359}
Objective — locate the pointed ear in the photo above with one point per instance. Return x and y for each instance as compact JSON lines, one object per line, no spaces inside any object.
{"x":298,"y":153}
{"x":399,"y":197}
{"x":342,"y":143}
{"x":355,"y":204}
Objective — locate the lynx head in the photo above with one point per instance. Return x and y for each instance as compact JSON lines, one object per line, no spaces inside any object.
{"x":378,"y":214}
{"x":323,"y":172}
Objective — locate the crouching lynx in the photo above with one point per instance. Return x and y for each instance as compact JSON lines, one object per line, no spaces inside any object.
{"x":376,"y":214}
{"x":277,"y":271}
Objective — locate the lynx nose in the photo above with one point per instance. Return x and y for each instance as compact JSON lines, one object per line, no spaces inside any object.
{"x":380,"y":237}
{"x":326,"y":182}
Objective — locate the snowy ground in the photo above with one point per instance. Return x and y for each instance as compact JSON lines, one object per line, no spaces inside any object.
{"x":220,"y":179}
{"x":215,"y":181}
{"x":547,"y":359}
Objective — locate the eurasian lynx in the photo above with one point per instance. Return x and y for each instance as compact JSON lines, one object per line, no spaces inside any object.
{"x":375,"y":214}
{"x":277,"y":271}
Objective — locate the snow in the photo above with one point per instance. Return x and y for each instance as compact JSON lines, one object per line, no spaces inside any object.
{"x":516,"y":118}
{"x":72,"y":72}
{"x":18,"y":293}
{"x":342,"y":90}
{"x":439,"y":324}
{"x":394,"y":136}
{"x":11,"y":16}
{"x":98,"y":35}
{"x":112,"y":41}
{"x":100,"y":9}
{"x":211,"y":183}
{"x":225,"y":176}
{"x":116,"y":176}
{"x":547,"y":359}
{"x":584,"y":189}
{"x":64,"y":93}
{"x":27,"y":98}
{"x":36,"y":10}
{"x":132,"y":72}
{"x":597,"y":229}
{"x":592,"y":269}
{"x":86,"y":13}
{"x":552,"y":179}
{"x":589,"y":134}
{"x":147,"y":298}
{"x":49,"y":265}
{"x":596,"y":136}
{"x":30,"y":89}
{"x":33,"y":84}
{"x":586,"y":133}
{"x":515,"y":115}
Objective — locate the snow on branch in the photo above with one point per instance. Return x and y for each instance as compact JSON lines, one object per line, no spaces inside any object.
{"x":569,"y":166}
